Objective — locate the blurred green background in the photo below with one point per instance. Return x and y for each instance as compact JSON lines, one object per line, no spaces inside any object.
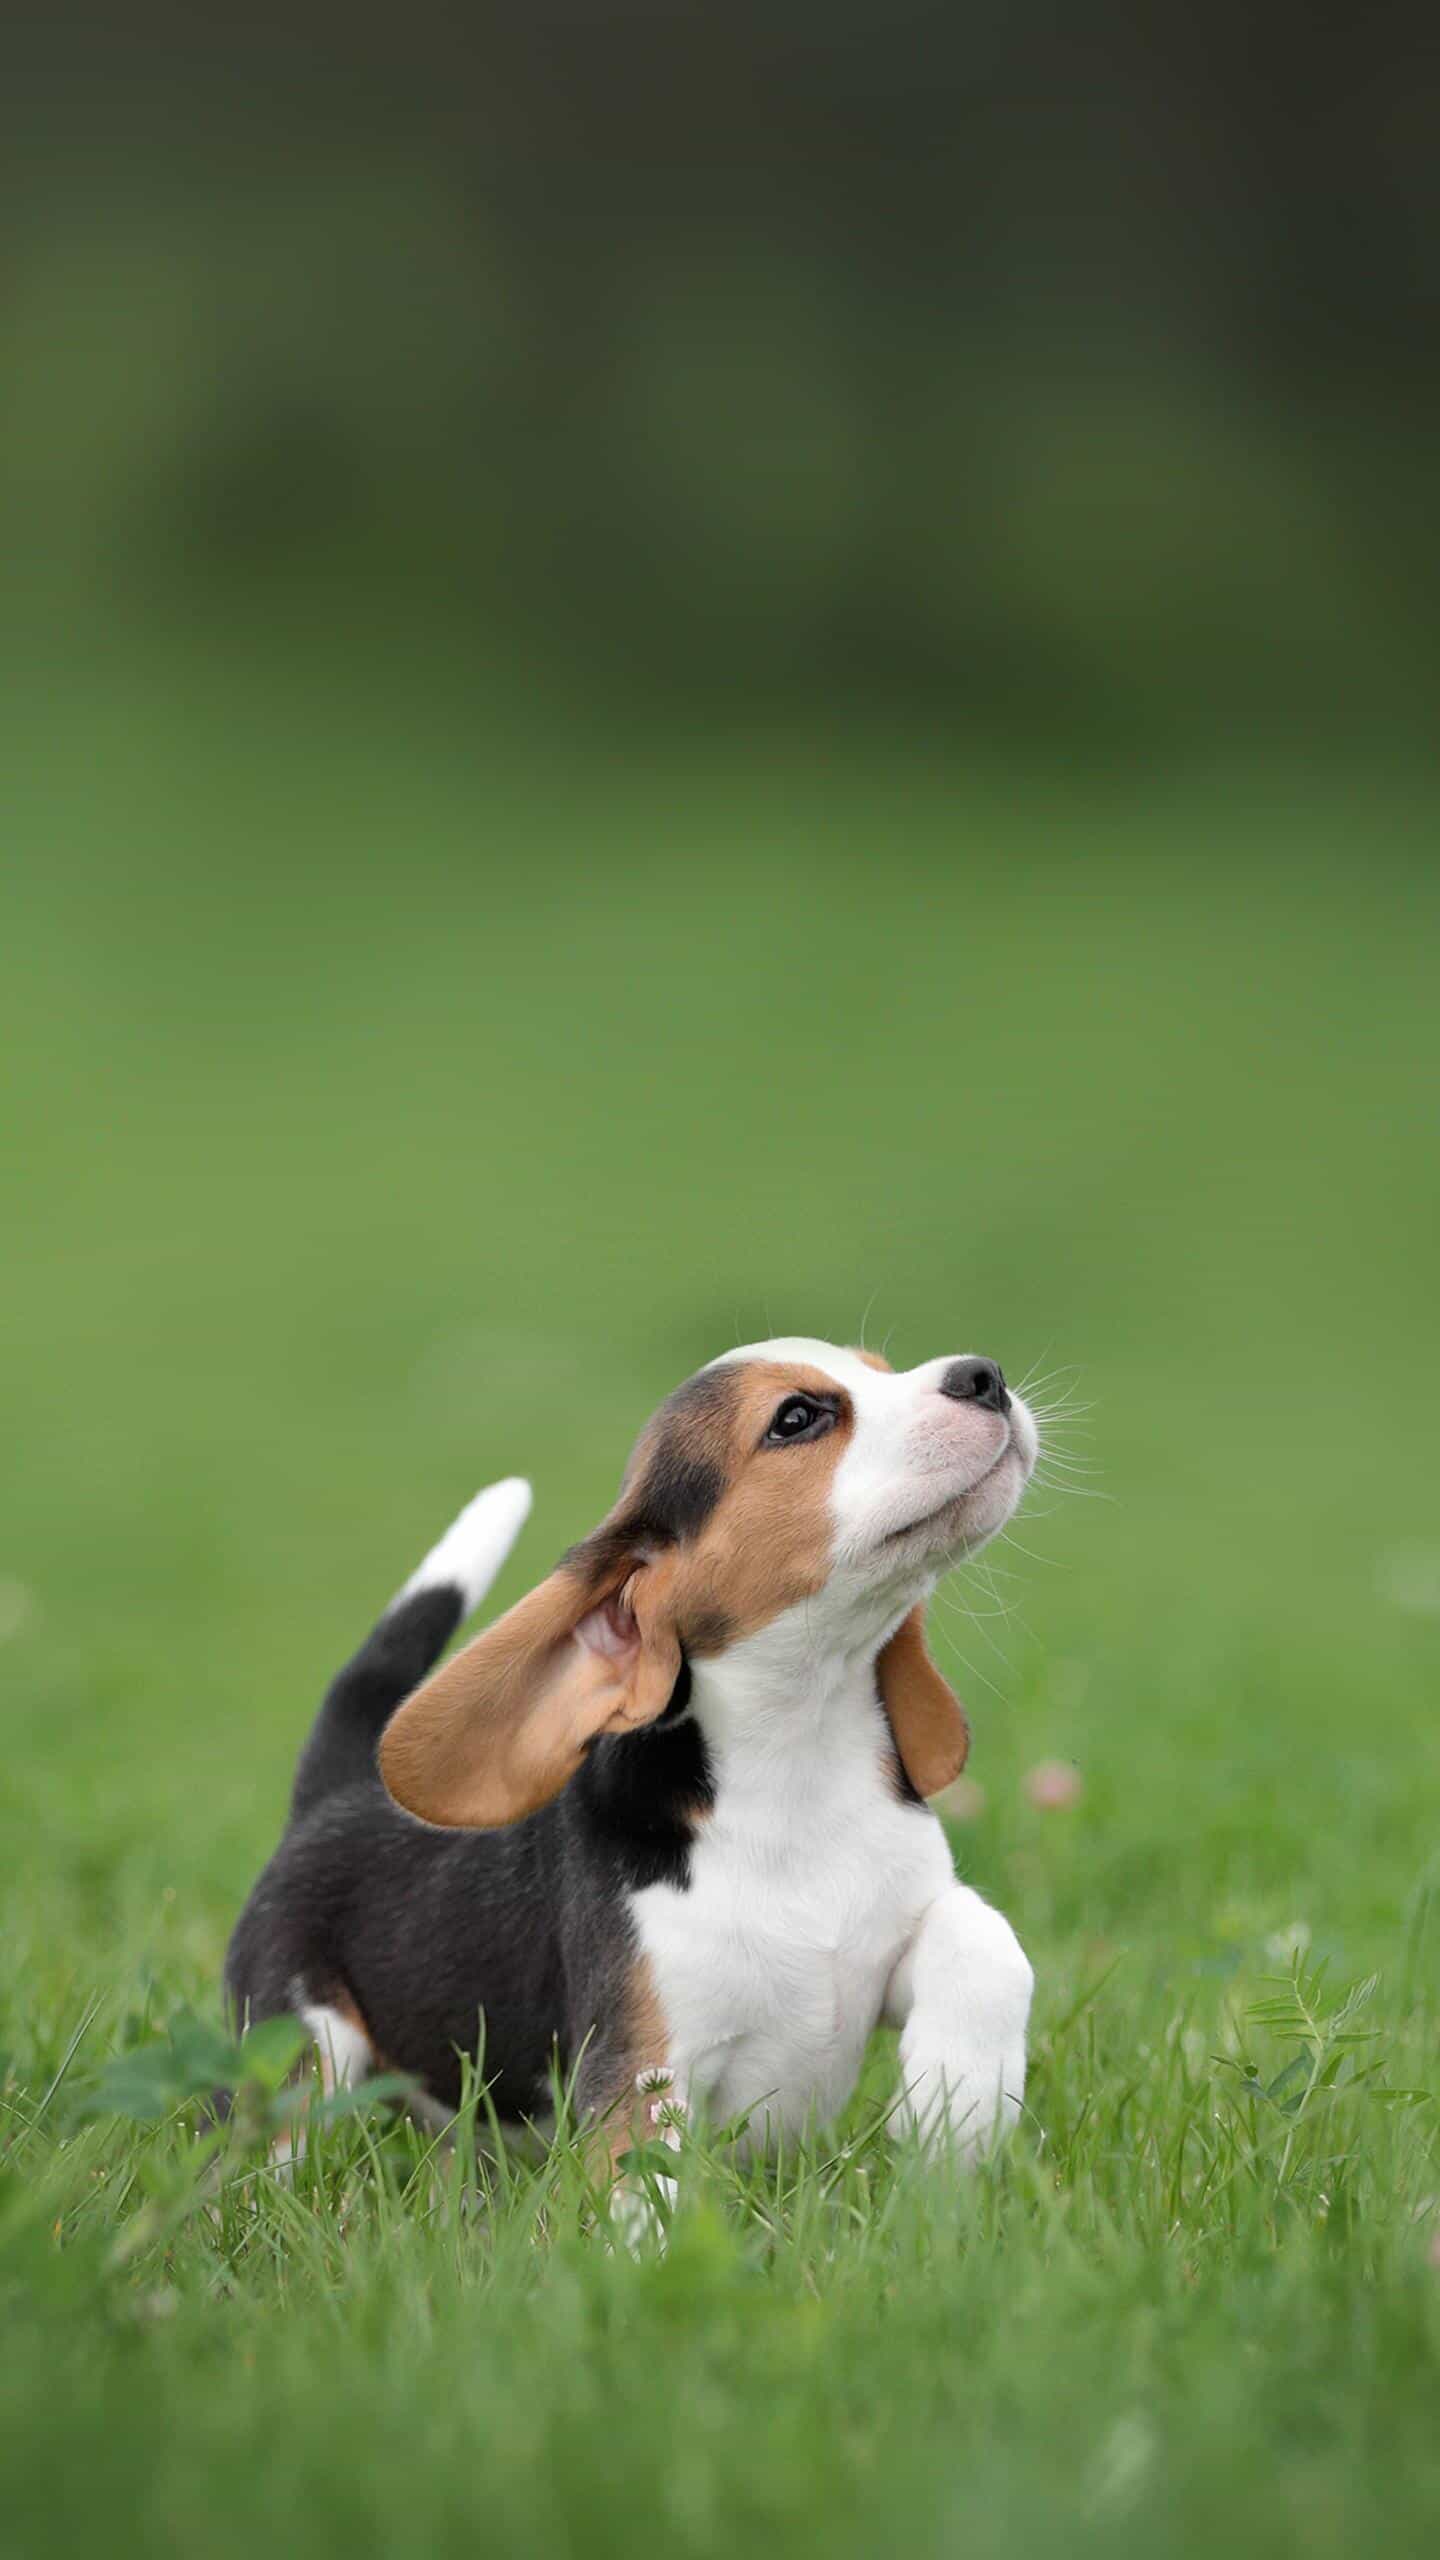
{"x":668,"y":677}
{"x":1044,"y":379}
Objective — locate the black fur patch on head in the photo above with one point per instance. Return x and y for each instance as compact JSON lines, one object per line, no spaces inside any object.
{"x":681,"y":1474}
{"x":675,"y":1478}
{"x":677,"y":1497}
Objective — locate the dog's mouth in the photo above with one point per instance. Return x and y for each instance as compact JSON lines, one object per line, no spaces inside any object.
{"x":948,"y":1517}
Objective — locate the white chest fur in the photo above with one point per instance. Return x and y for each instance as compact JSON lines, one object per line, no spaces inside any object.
{"x":807,"y":1882}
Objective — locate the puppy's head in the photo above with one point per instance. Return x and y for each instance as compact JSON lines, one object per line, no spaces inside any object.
{"x":788,"y":1477}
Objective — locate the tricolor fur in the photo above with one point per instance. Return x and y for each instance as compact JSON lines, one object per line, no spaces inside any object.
{"x":663,"y":1823}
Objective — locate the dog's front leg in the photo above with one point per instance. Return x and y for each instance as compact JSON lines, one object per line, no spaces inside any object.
{"x":960,"y":1995}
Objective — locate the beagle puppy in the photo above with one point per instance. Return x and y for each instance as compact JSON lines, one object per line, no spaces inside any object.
{"x":665,"y":1821}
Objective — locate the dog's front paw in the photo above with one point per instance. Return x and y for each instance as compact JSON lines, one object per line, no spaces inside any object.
{"x":964,"y":1997}
{"x":964,"y":2106}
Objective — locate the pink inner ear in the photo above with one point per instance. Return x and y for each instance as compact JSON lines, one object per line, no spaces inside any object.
{"x":610,"y":1629}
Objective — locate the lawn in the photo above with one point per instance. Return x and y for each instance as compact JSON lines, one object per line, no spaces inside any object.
{"x":406,"y":1090}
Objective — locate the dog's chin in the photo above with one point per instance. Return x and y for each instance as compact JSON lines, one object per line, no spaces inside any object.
{"x":945,"y":1537}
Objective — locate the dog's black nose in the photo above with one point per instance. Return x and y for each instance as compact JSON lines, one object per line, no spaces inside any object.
{"x":977,"y":1382}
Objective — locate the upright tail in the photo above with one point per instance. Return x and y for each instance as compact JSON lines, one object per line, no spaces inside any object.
{"x":412,"y":1635}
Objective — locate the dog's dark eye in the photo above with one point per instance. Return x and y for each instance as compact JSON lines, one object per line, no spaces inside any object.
{"x":798,"y":1418}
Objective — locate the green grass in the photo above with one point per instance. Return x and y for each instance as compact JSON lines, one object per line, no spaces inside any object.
{"x":408,"y":1090}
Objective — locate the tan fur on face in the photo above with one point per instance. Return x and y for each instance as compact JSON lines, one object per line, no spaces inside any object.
{"x":767,"y":1545}
{"x":767,"y":1542}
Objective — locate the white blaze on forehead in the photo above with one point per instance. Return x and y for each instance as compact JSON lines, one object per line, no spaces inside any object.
{"x":802,"y":1351}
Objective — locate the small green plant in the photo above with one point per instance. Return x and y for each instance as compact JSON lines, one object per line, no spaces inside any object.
{"x":1295,"y":2128}
{"x":248,"y":2085}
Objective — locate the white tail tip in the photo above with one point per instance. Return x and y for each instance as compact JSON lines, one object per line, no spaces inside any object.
{"x":476,"y":1545}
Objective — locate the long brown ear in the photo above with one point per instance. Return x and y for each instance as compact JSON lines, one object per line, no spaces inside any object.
{"x":932,"y":1733}
{"x":499,"y":1729}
